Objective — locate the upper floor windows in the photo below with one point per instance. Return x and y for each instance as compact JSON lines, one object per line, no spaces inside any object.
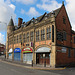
{"x":17,"y":38}
{"x":48,"y":30}
{"x":64,"y":35}
{"x":37,"y":35}
{"x":24,"y":38}
{"x":31,"y":36}
{"x":20,"y":38}
{"x":69,"y":52}
{"x":74,"y":39}
{"x":28,"y":37}
{"x":43,"y":34}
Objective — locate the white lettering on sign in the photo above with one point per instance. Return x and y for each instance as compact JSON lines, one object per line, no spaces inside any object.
{"x":27,"y":49}
{"x":63,"y":49}
{"x":16,"y":50}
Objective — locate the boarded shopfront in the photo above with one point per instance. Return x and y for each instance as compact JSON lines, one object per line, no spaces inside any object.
{"x":27,"y":55}
{"x":43,"y":55}
{"x":17,"y":54}
{"x":10,"y":53}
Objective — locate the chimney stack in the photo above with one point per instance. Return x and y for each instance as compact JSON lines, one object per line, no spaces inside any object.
{"x":20,"y":21}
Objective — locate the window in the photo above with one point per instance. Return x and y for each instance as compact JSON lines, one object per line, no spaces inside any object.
{"x":74,"y":53}
{"x":14,"y":40}
{"x":64,"y":35}
{"x":28,"y":37}
{"x":31,"y":36}
{"x":48,"y":30}
{"x":64,"y":20}
{"x":52,"y":33}
{"x":74,"y":39}
{"x":43,"y":34}
{"x":24,"y":38}
{"x":69,"y":52}
{"x":20,"y":37}
{"x":17,"y":38}
{"x":37,"y":35}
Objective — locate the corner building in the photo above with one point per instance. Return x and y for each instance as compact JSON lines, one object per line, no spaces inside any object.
{"x":47,"y":39}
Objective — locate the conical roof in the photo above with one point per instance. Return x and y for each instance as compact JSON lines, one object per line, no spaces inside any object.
{"x":11,"y":23}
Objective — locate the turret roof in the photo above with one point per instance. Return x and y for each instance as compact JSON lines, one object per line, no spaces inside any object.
{"x":11,"y":23}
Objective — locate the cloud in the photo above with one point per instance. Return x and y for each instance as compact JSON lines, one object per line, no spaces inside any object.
{"x":70,"y":7}
{"x":31,"y":13}
{"x":6,"y":11}
{"x":22,"y":11}
{"x":48,"y":5}
{"x":2,"y":39}
{"x":25,"y":1}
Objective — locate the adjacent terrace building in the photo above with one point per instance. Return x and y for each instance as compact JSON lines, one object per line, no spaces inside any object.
{"x":48,"y":38}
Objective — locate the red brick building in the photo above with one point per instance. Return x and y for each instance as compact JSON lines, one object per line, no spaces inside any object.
{"x":48,"y":38}
{"x":2,"y":49}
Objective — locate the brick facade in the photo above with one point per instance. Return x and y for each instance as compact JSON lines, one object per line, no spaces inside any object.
{"x":58,"y":21}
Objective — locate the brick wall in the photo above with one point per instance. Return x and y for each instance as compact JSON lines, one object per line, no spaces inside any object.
{"x":62,"y":58}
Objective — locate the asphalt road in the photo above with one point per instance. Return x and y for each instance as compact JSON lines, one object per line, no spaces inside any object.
{"x":67,"y":71}
{"x":8,"y":69}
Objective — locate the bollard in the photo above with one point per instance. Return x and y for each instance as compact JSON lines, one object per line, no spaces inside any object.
{"x":32,"y":63}
{"x":45,"y":63}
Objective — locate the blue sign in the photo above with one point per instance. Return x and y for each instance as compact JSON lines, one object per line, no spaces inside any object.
{"x":17,"y":50}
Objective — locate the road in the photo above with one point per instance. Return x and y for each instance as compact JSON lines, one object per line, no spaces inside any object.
{"x":9,"y":69}
{"x":67,"y":71}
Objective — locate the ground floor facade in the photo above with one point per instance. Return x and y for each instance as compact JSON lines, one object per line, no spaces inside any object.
{"x":44,"y":54}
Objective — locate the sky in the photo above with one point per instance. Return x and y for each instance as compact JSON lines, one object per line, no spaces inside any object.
{"x":27,"y":9}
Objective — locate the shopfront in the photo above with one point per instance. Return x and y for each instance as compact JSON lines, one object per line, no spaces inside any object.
{"x":43,"y":55}
{"x":17,"y":54}
{"x":10,"y":53}
{"x":27,"y":55}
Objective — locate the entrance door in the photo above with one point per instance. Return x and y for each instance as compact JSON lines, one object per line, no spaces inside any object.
{"x":37,"y":58}
{"x":41,"y":58}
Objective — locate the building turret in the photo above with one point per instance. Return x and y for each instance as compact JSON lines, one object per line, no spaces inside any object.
{"x":10,"y":27}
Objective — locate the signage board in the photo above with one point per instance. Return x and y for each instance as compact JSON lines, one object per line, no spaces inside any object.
{"x":17,"y":50}
{"x":27,"y":50}
{"x":63,"y":49}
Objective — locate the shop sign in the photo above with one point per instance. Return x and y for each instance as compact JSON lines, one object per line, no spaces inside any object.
{"x":63,"y":49}
{"x":17,"y":50}
{"x":27,"y":50}
{"x":58,"y":50}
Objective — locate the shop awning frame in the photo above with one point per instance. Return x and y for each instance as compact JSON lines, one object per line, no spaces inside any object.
{"x":10,"y":51}
{"x":43,"y":50}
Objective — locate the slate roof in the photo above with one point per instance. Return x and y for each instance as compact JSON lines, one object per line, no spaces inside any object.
{"x":11,"y":23}
{"x":39,"y":19}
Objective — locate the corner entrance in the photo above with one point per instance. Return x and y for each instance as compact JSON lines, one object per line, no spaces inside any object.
{"x":43,"y":57}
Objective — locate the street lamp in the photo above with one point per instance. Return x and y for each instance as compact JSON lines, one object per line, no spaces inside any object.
{"x":5,"y":32}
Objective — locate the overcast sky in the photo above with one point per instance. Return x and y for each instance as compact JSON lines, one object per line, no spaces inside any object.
{"x":28,"y":9}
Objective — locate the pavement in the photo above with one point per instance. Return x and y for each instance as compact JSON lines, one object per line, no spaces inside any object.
{"x":21,"y":64}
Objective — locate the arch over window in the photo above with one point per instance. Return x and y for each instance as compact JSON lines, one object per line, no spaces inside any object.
{"x":43,"y":49}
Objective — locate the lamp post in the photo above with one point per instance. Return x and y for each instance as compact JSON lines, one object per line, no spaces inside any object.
{"x":5,"y":35}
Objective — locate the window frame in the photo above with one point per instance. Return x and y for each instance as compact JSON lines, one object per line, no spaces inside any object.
{"x":37,"y":35}
{"x":48,"y":33}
